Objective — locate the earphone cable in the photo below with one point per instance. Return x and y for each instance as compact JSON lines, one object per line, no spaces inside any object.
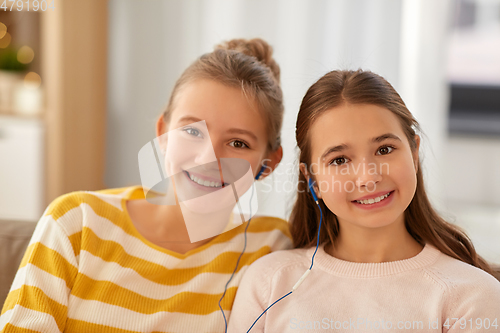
{"x":302,"y":278}
{"x":319,"y":229}
{"x":237,"y":263}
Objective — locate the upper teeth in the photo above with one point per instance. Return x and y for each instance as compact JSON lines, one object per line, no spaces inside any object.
{"x":205,"y":182}
{"x":371,"y":201}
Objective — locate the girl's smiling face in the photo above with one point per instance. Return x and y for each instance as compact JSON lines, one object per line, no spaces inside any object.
{"x":364,"y":168}
{"x":211,"y":121}
{"x":235,"y":125}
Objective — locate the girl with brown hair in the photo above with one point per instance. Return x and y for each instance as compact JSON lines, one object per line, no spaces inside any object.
{"x":386,"y":260}
{"x":112,"y":261}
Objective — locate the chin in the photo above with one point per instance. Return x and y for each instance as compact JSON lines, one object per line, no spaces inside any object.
{"x":382,"y":221}
{"x":207,"y":205}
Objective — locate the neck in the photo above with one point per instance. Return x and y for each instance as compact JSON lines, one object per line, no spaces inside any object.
{"x":178,"y":224}
{"x":165,"y":222}
{"x":374,"y":245}
{"x":201,"y":225}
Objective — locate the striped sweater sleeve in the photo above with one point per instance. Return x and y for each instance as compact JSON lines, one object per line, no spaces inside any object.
{"x":38,"y":298}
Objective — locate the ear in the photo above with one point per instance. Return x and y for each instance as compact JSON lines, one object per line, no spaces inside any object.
{"x":272,"y":161}
{"x":161,"y":125}
{"x":303,"y":169}
{"x":415,"y":153}
{"x":161,"y":128}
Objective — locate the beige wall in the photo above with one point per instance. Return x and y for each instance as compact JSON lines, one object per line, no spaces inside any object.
{"x":74,"y":70}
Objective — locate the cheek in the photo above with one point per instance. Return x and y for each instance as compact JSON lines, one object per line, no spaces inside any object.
{"x":178,"y":157}
{"x":337,"y":203}
{"x":336,"y":185}
{"x":405,"y":176}
{"x":253,"y":160}
{"x":335,"y":190}
{"x":256,"y":165}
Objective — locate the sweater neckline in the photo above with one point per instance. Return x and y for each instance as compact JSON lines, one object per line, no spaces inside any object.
{"x":335,"y":266}
{"x":137,"y":193}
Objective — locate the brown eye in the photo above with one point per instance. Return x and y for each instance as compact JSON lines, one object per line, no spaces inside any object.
{"x":385,"y":150}
{"x":338,"y":161}
{"x":238,"y":144}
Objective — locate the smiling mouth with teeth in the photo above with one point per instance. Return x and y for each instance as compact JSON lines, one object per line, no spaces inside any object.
{"x":205,"y":183}
{"x":373,"y":200}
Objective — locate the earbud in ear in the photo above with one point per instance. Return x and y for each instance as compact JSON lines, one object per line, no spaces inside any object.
{"x":260,"y":172}
{"x":311,"y":188}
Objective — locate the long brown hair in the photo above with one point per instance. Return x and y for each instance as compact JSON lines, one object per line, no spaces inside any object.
{"x":245,"y":64}
{"x":422,"y":222}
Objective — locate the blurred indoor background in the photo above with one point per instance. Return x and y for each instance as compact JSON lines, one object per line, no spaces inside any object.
{"x":82,"y":84}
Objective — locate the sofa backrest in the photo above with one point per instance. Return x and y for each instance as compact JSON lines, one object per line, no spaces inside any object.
{"x":14,"y":239}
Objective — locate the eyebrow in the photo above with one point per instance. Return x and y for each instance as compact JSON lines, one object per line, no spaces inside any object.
{"x":344,"y":146}
{"x":244,"y":132}
{"x":189,"y":119}
{"x":231,"y":130}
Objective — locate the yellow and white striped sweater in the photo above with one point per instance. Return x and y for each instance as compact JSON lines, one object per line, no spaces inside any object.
{"x":87,"y":269}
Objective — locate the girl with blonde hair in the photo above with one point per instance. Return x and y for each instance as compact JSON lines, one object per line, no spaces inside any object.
{"x":112,"y":261}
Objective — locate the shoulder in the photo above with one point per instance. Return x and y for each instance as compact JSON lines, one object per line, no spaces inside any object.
{"x":465,"y":284}
{"x":69,"y":207}
{"x":270,"y":231}
{"x":278,"y":261}
{"x":456,"y":273}
{"x":131,"y":192}
{"x":267,"y":223}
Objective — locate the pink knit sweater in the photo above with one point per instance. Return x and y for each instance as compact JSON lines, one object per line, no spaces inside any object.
{"x":430,"y":292}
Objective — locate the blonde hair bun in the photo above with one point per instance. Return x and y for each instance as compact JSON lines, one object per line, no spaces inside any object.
{"x":255,"y":47}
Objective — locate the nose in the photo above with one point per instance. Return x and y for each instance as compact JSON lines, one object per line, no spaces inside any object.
{"x":368,"y":181}
{"x":368,"y":175}
{"x":205,"y":154}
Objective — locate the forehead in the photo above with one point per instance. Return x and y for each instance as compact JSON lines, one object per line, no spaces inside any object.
{"x":213,"y":101}
{"x":354,"y":125}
